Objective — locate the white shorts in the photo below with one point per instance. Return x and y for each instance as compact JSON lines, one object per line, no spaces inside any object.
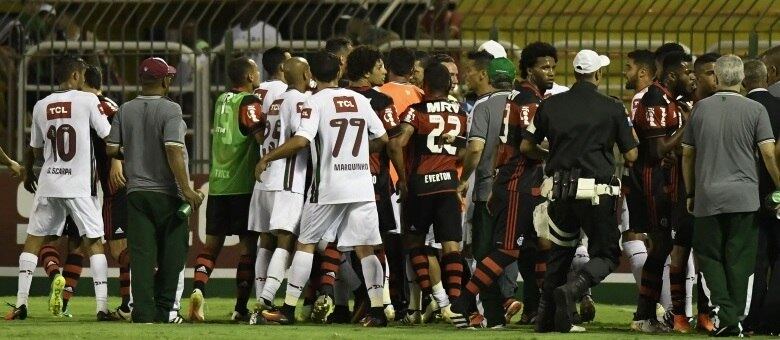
{"x":352,"y":224}
{"x":48,"y":214}
{"x":271,"y":211}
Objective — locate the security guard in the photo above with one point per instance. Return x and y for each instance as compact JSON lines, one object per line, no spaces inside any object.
{"x":582,"y":126}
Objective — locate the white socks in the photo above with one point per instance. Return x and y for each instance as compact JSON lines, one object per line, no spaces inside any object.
{"x":440,"y":295}
{"x":99,"y":268}
{"x":636,"y":252}
{"x":27,"y":263}
{"x":690,"y":279}
{"x":177,"y":301}
{"x":299,"y":275}
{"x":375,"y":278}
{"x":261,"y":270}
{"x":386,"y":284}
{"x":276,"y":269}
{"x":666,"y":293}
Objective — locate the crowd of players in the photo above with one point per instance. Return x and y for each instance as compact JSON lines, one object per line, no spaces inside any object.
{"x":450,"y":220}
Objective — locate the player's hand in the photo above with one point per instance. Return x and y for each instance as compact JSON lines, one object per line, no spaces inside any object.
{"x":194,"y":198}
{"x":463,"y":189}
{"x":116,"y":177}
{"x":402,"y":190}
{"x":261,"y":166}
{"x":16,"y":169}
{"x":689,"y":205}
{"x":30,"y":182}
{"x":446,"y":139}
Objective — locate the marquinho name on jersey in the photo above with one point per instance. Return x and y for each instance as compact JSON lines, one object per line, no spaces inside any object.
{"x":350,"y":167}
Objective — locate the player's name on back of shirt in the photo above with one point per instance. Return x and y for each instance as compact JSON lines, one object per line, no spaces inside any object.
{"x":442,"y":106}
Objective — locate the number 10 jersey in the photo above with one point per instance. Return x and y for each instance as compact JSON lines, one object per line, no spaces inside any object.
{"x":61,"y":126}
{"x":339,"y":123}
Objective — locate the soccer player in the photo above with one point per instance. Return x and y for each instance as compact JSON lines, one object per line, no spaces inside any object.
{"x":639,"y":73}
{"x":341,"y":47}
{"x":654,"y":184}
{"x":60,"y":135}
{"x":338,"y":124}
{"x":420,"y":59}
{"x":278,"y":210}
{"x":238,"y":131}
{"x":706,"y":82}
{"x":491,"y":79}
{"x":400,"y":68}
{"x":430,"y":170}
{"x":268,"y":91}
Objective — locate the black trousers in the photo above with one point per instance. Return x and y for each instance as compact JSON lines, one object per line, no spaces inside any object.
{"x":765,"y":302}
{"x":599,"y":223}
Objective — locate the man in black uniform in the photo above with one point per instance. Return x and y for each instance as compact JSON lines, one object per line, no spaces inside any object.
{"x":582,"y":126}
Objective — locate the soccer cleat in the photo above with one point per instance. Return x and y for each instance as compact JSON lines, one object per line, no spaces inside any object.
{"x":660,"y":311}
{"x":587,"y":309}
{"x":511,"y":308}
{"x":370,"y":321}
{"x":476,"y":320}
{"x":412,"y":317}
{"x":55,"y":295}
{"x":430,"y":310}
{"x":107,"y":316}
{"x":304,"y":314}
{"x":527,"y":318}
{"x":340,"y":315}
{"x":390,"y":312}
{"x":65,"y":314}
{"x":237,"y":316}
{"x":458,"y":320}
{"x":728,"y":331}
{"x":680,"y":323}
{"x":196,"y":306}
{"x":177,"y":320}
{"x":16,"y":313}
{"x":704,"y":323}
{"x":564,"y":300}
{"x":124,"y":312}
{"x":276,"y":315}
{"x":577,"y":329}
{"x":360,"y":312}
{"x":322,"y":308}
{"x":649,"y":326}
{"x":261,"y":305}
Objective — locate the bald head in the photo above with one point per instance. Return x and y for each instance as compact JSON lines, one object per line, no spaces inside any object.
{"x":297,"y":73}
{"x":771,"y":59}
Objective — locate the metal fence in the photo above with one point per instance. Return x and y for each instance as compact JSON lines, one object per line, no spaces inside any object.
{"x":197,"y":36}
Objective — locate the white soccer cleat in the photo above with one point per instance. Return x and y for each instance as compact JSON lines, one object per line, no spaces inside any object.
{"x":660,"y":311}
{"x":430,"y":310}
{"x":577,"y":329}
{"x":322,"y":308}
{"x":460,"y":321}
{"x":196,"y":306}
{"x":390,"y":312}
{"x":412,"y":318}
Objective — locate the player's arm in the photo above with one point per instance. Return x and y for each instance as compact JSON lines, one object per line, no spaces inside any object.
{"x":251,"y":118}
{"x":395,"y":150}
{"x":307,"y":131}
{"x":378,"y":144}
{"x":10,"y":163}
{"x":114,"y":138}
{"x":689,"y":175}
{"x":174,"y":130}
{"x":534,"y":135}
{"x":766,"y":145}
{"x":30,"y":180}
{"x":116,"y":176}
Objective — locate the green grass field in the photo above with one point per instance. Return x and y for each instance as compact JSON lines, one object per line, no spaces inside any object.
{"x":611,"y":323}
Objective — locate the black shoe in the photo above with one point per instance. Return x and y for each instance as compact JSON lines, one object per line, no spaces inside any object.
{"x":16,"y":313}
{"x":107,"y":316}
{"x":545,"y":318}
{"x":563,"y":303}
{"x":587,"y":309}
{"x":341,"y":315}
{"x":728,"y":331}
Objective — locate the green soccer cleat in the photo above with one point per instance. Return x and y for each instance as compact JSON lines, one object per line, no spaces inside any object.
{"x":55,"y":295}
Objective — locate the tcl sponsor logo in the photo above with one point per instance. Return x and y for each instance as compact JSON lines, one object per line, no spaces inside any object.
{"x":58,"y":110}
{"x":345,"y":104}
{"x":274,"y":109}
{"x":261,"y":94}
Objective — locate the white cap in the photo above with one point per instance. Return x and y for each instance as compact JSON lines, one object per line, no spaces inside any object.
{"x":494,"y":48}
{"x":47,"y":8}
{"x":588,"y":61}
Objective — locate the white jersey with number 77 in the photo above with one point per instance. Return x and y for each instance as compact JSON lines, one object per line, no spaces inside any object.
{"x":61,"y":126}
{"x":339,"y":123}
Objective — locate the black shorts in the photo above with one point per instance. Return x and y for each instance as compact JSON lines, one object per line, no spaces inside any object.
{"x":115,"y":215}
{"x":384,"y":206}
{"x":227,"y":215}
{"x":682,"y":233}
{"x":513,"y":218}
{"x":71,"y":230}
{"x":442,"y":210}
{"x":649,"y":212}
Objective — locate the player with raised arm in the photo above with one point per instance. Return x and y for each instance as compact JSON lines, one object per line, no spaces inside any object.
{"x":60,"y":135}
{"x":338,"y":124}
{"x":279,"y":210}
{"x":429,"y":167}
{"x":238,"y":131}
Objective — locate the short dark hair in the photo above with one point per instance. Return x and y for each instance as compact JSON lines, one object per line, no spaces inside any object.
{"x":273,"y":58}
{"x":706,"y":58}
{"x":238,"y":68}
{"x":437,"y":78}
{"x":534,"y":51}
{"x":93,"y":77}
{"x":643,"y":58}
{"x":440,"y":58}
{"x":66,"y":65}
{"x":400,"y":61}
{"x":421,"y":56}
{"x":361,"y":61}
{"x":481,"y":59}
{"x":667,"y":48}
{"x":337,"y":45}
{"x":673,"y":60}
{"x":325,"y":66}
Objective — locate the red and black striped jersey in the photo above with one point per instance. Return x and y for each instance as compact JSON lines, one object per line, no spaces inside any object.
{"x":657,"y":115}
{"x":431,"y":165}
{"x":108,"y":108}
{"x":379,"y":162}
{"x":520,"y":109}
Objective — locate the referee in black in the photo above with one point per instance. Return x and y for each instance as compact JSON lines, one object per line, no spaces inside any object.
{"x":582,"y":127}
